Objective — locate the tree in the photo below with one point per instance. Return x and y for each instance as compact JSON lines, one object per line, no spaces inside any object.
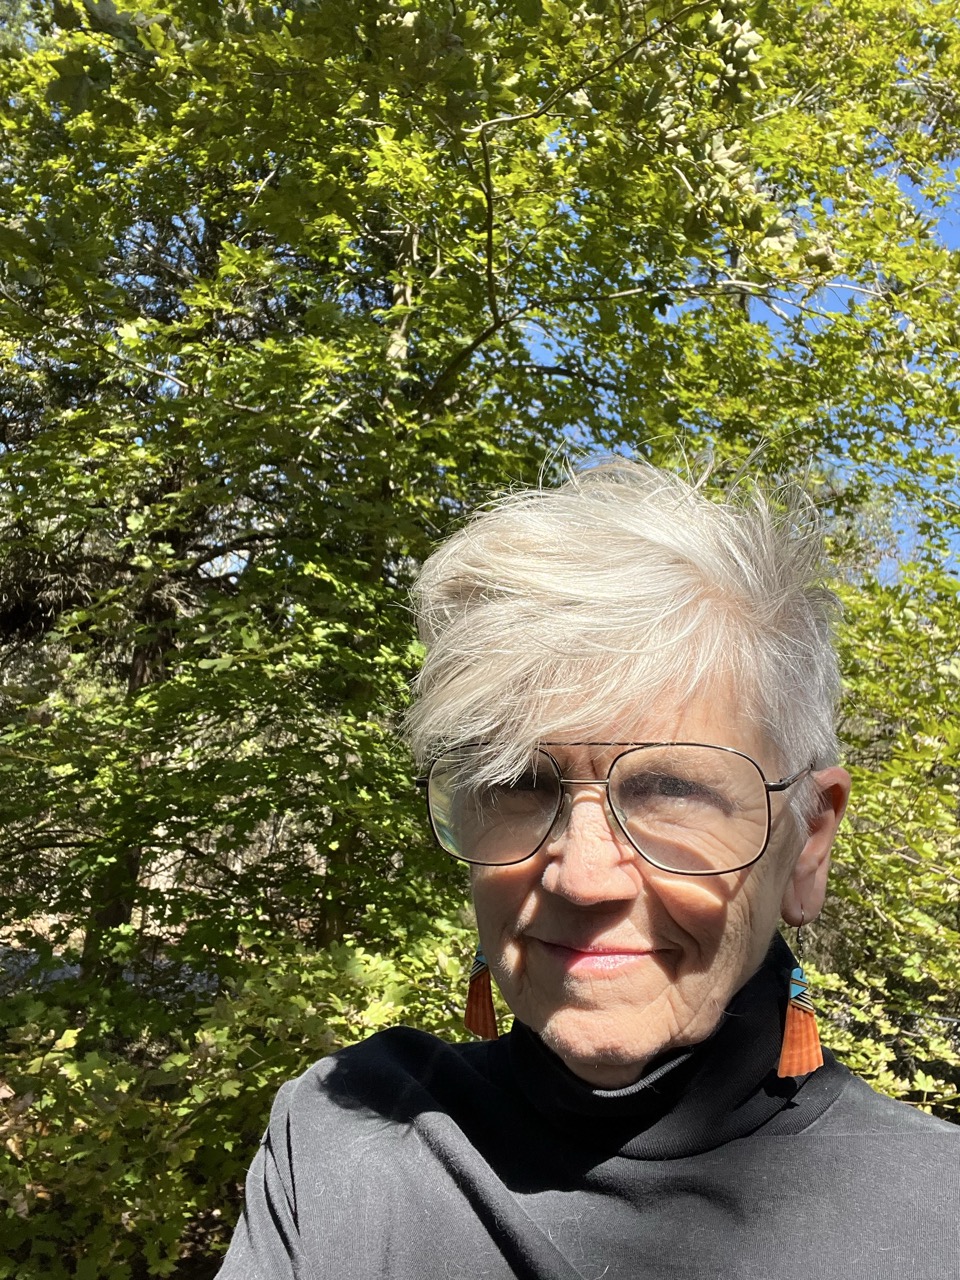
{"x":283,"y":291}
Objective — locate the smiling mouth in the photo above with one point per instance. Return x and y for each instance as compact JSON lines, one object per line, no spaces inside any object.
{"x":593,"y":958}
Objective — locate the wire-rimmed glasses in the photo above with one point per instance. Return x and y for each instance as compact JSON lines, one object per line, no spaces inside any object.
{"x":689,"y":808}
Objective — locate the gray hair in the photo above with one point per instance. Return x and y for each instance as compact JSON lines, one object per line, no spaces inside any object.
{"x":555,"y":609}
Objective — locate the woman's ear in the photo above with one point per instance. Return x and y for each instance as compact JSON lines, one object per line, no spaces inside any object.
{"x":807,"y":887}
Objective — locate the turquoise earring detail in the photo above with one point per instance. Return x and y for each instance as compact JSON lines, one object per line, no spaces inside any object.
{"x":800,"y":1052}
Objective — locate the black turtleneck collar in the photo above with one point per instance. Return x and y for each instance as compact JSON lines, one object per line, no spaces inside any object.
{"x":692,"y":1100}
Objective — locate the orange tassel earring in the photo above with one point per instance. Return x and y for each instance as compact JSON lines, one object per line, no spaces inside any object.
{"x":480,"y":1016}
{"x":800,"y":1052}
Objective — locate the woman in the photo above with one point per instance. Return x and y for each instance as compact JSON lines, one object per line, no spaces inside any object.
{"x":626,"y":716}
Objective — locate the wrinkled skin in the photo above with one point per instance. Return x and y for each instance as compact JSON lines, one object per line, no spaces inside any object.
{"x":613,"y":961}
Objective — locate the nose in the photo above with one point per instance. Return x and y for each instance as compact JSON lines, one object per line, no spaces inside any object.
{"x":587,"y":863}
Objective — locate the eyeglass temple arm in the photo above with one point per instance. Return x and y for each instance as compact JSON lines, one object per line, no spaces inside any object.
{"x":788,"y":782}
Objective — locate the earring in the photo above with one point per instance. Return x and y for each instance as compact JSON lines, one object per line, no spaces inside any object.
{"x":800,"y":1052}
{"x":480,"y":1016}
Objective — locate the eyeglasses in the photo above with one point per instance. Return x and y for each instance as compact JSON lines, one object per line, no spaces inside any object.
{"x":686,"y":807}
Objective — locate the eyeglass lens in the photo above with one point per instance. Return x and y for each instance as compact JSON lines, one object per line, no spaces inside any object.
{"x":687,"y":808}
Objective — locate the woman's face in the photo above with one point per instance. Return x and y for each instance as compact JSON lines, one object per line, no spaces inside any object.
{"x":613,"y":961}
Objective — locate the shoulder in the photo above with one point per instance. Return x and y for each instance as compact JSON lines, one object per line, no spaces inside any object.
{"x":366,"y":1125}
{"x":391,"y":1076}
{"x":892,"y":1139}
{"x":862,"y":1108}
{"x":353,"y":1158}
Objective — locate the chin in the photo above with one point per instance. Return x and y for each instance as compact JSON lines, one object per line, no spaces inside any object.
{"x":605,"y":1051}
{"x":599,"y":1049}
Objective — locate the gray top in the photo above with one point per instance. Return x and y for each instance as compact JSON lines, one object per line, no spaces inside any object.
{"x":405,"y":1158}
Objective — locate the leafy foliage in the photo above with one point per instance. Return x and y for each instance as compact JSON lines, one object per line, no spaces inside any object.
{"x":282,"y":292}
{"x":127,"y":1157}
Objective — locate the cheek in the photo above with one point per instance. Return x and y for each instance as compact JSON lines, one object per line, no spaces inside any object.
{"x":727,"y":921}
{"x":499,"y":898}
{"x":703,"y":910}
{"x":755,"y":912}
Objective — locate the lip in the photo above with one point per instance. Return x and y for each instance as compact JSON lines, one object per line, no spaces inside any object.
{"x":594,"y":957}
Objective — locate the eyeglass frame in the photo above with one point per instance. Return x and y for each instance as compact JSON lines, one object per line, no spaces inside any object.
{"x":769,"y":788}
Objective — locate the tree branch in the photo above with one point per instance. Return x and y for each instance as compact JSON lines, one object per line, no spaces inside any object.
{"x":565,"y":371}
{"x":488,"y":198}
{"x":535,"y":112}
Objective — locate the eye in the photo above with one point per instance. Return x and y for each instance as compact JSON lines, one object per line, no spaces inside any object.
{"x":642,"y":785}
{"x":529,"y":780}
{"x":665,"y":790}
{"x":680,"y":788}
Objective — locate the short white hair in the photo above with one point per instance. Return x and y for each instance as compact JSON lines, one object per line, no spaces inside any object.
{"x":553,"y":610}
